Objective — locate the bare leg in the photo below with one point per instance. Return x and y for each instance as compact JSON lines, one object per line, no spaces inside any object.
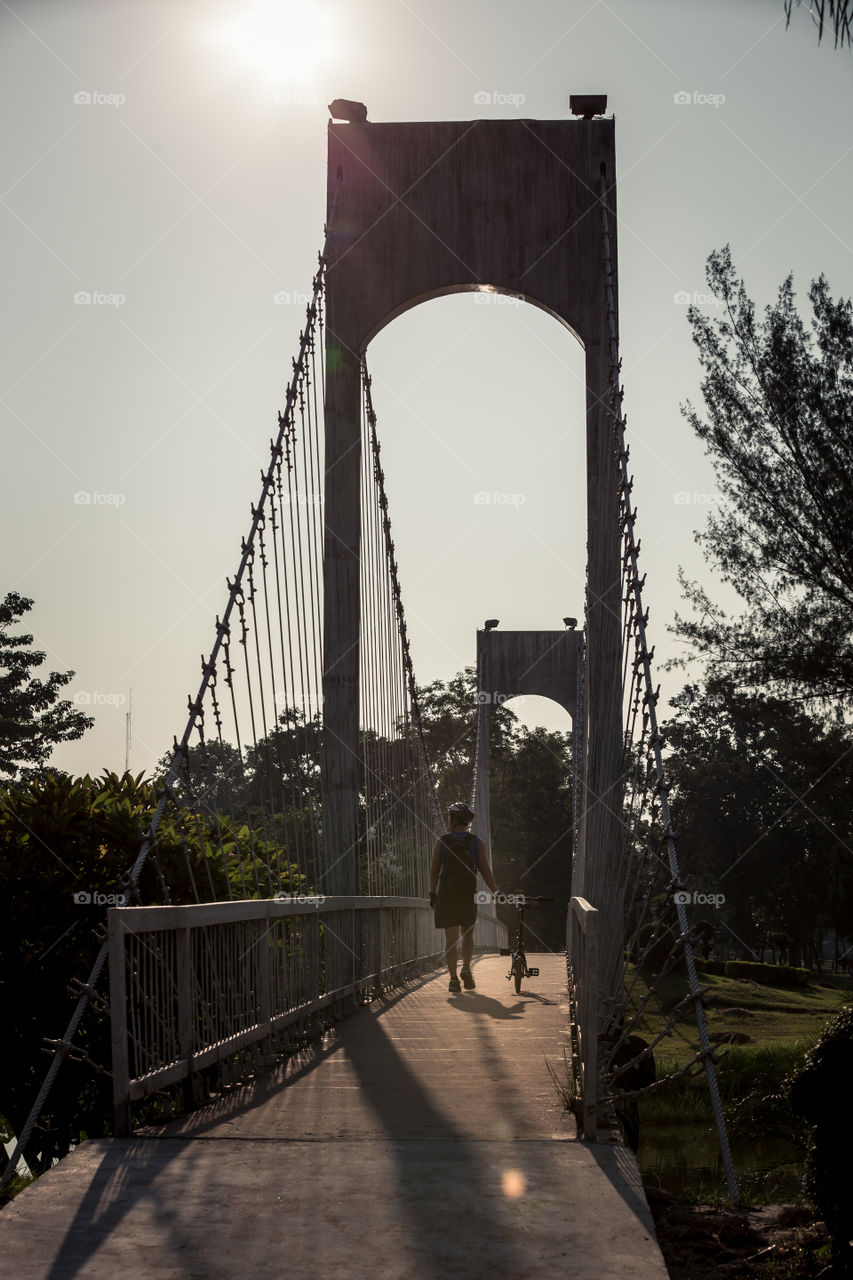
{"x":451,"y":936}
{"x":467,"y":947}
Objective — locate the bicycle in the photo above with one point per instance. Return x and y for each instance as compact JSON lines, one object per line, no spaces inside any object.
{"x":519,"y":968}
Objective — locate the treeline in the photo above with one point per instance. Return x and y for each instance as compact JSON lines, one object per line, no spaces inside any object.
{"x":761,"y":750}
{"x":763,"y":804}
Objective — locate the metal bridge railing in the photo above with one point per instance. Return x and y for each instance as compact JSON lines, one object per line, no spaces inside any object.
{"x":194,"y":986}
{"x":582,"y":951}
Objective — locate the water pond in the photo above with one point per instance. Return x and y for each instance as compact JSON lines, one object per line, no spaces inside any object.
{"x":683,"y":1158}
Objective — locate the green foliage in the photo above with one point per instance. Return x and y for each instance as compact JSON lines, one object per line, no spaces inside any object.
{"x":772,"y":975}
{"x":61,"y":837}
{"x":33,"y":717}
{"x":820,"y":1094}
{"x":839,"y":15}
{"x":779,"y":432}
{"x":58,"y":837}
{"x":762,"y":797}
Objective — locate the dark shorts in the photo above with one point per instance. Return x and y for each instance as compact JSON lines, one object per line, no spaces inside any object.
{"x":455,"y":908}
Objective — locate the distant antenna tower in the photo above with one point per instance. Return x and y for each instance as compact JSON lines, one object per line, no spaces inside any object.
{"x":127,"y":724}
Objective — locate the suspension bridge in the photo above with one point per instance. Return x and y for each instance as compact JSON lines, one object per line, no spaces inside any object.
{"x":283,"y":880}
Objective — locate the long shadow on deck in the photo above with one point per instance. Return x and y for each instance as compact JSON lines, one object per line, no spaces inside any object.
{"x":444,"y":1182}
{"x":445,"y":1216}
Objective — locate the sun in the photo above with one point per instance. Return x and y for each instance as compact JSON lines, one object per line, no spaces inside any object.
{"x":281,"y":40}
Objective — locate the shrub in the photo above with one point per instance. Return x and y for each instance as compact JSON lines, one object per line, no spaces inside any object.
{"x":771,"y":975}
{"x":820,"y":1093}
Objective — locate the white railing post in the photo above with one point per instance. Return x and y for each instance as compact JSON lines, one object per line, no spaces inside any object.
{"x":247,"y":989}
{"x":118,"y":1023}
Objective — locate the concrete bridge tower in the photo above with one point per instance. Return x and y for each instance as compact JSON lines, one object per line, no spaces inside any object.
{"x":417,"y":211}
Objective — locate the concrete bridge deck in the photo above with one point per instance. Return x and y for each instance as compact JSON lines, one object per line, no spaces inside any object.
{"x":422,"y":1138}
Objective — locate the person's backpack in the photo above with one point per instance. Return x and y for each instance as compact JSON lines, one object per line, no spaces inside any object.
{"x":459,"y":864}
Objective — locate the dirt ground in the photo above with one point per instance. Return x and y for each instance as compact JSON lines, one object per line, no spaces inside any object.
{"x":706,"y":1242}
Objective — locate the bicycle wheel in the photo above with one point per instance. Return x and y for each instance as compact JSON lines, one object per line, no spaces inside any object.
{"x":518,"y":970}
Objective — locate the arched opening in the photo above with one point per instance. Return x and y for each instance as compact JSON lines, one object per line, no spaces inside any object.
{"x":532,"y":798}
{"x":481,"y":409}
{"x":487,"y":292}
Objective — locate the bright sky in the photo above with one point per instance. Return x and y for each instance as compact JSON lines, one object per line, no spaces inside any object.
{"x":168,"y":159}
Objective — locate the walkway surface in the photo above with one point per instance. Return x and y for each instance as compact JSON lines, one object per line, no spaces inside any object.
{"x":422,"y":1139}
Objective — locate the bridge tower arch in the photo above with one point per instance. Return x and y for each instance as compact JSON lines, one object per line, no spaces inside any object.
{"x":415,"y":211}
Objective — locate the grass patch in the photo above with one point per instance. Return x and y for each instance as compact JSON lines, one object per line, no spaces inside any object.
{"x":770,"y":1017}
{"x":678,"y":1149}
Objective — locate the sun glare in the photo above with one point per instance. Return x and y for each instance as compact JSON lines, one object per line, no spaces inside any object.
{"x":282,"y":40}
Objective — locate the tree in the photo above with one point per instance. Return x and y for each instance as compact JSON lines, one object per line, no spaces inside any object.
{"x":65,"y":847}
{"x":762,"y":797}
{"x":779,"y":431}
{"x":839,"y":15}
{"x":33,"y":718}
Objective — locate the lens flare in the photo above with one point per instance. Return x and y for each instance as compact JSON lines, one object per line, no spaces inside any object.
{"x":513,"y":1184}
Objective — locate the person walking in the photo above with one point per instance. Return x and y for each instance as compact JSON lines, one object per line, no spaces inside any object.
{"x":457,"y":856}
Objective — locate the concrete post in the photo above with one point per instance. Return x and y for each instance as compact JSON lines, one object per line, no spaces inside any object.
{"x":603,"y":831}
{"x":341,"y":617}
{"x":482,"y":800}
